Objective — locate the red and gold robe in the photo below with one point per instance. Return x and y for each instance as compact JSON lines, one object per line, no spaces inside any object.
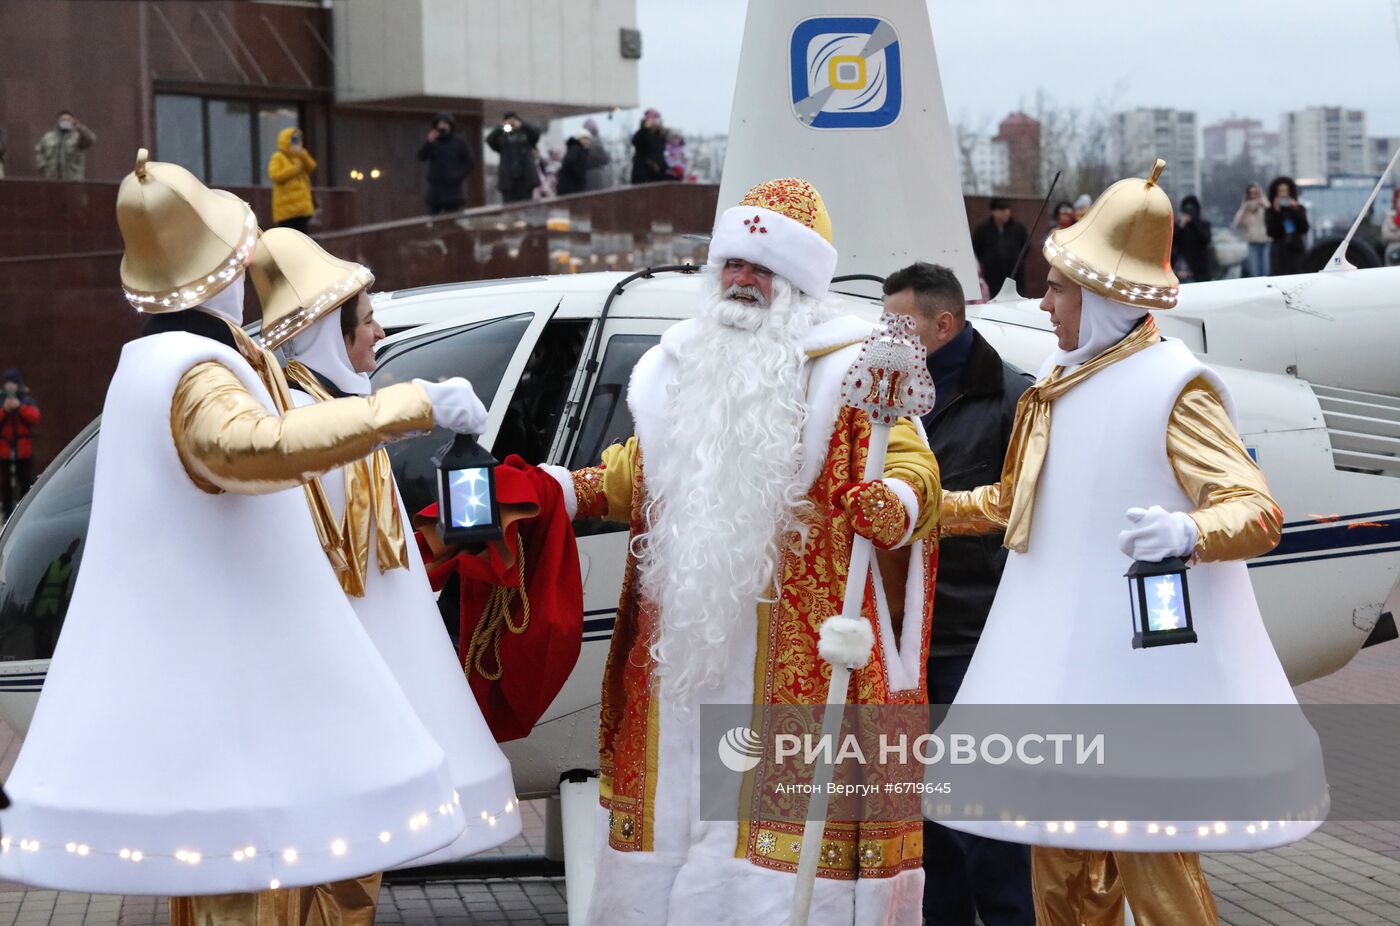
{"x":659,"y":853}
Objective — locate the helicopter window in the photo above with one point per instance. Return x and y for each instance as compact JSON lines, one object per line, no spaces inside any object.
{"x":530,"y":421}
{"x":480,"y":352}
{"x":608,"y":420}
{"x":40,"y":551}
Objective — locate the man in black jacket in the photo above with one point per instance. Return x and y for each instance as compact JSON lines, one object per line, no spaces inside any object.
{"x":965,"y":876}
{"x":449,"y":162}
{"x":519,"y":171}
{"x":997,"y":242}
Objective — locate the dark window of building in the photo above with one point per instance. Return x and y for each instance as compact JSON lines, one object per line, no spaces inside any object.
{"x":180,"y":132}
{"x":220,"y":141}
{"x":230,"y":143}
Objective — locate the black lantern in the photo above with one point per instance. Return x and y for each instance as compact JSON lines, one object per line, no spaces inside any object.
{"x":468,"y":512}
{"x":1161,"y":603}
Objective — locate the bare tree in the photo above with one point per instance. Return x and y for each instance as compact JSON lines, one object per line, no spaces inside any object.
{"x":1076,"y":141}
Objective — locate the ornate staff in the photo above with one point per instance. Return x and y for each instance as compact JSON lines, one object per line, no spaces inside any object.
{"x":888,"y":381}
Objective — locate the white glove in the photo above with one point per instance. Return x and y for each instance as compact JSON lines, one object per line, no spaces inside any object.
{"x":846,"y":641}
{"x":1158,"y":534}
{"x":455,"y":405}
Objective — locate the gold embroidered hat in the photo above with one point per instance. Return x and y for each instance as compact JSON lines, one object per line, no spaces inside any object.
{"x":784,"y":226}
{"x":298,"y":283}
{"x":1122,"y":248}
{"x":184,"y":242}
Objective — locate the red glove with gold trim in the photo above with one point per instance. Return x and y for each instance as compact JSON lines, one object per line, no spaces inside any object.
{"x":876,"y":513}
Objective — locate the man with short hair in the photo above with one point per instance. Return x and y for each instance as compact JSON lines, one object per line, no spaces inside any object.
{"x":997,"y":242}
{"x":61,"y":153}
{"x":965,"y":876}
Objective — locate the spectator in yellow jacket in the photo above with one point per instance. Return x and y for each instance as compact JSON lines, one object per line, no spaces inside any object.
{"x":290,"y":169}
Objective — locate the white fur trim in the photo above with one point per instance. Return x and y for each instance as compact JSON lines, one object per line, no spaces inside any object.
{"x":787,"y":247}
{"x":846,"y":641}
{"x":837,"y":332}
{"x":905,"y":493}
{"x":565,"y":479}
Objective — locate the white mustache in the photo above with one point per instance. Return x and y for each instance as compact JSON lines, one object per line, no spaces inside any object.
{"x":752,"y":292}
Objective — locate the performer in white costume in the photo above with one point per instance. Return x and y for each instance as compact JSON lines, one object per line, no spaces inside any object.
{"x":741,"y":439}
{"x":317,"y":309}
{"x":215,"y":718}
{"x":1126,"y":449}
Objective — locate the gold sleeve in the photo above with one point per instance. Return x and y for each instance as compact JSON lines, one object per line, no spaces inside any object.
{"x":1236,"y":517}
{"x":909,"y":460}
{"x":620,"y":470}
{"x":228,"y":441}
{"x":983,"y":510}
{"x":605,"y":491}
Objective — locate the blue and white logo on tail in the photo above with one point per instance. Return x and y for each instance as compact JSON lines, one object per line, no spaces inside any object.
{"x":845,"y":73}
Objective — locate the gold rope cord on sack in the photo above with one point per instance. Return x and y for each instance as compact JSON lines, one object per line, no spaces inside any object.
{"x":494,"y":617}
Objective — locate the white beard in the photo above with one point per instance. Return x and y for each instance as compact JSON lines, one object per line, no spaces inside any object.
{"x":724,"y":495}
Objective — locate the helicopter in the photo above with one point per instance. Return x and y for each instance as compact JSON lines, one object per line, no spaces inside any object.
{"x":1308,"y":360}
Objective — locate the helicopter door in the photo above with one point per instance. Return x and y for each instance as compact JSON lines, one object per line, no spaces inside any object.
{"x":605,"y":419}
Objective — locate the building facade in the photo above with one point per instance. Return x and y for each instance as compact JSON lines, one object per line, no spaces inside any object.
{"x":1229,"y":140}
{"x":986,"y":163}
{"x":1321,"y":141}
{"x":1020,"y":134}
{"x":1138,"y":137}
{"x":1379,"y":151}
{"x":209,"y":85}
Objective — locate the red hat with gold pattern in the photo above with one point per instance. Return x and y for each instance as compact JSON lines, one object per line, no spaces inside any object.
{"x":784,"y":226}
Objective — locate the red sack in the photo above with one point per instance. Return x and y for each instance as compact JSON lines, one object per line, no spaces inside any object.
{"x":517,"y":650}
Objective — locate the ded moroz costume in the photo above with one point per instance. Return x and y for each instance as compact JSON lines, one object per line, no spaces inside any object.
{"x":742,"y":490}
{"x":216,"y":721}
{"x":1127,"y":449}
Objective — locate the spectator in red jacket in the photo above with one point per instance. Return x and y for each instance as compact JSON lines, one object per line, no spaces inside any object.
{"x":18,"y":416}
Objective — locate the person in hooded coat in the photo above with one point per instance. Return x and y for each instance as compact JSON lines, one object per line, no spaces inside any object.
{"x":449,"y":164}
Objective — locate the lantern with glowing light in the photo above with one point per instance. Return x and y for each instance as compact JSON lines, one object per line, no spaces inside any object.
{"x":468,"y":512}
{"x":1161,"y":603}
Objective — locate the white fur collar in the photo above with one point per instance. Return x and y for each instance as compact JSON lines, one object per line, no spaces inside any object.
{"x":831,"y":348}
{"x":838,"y":332}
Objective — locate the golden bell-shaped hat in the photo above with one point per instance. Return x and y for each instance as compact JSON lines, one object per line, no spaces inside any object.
{"x":184,"y":242}
{"x":1122,"y":248}
{"x":298,"y":283}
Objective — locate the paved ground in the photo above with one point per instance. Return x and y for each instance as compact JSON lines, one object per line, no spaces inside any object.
{"x":1346,"y":873}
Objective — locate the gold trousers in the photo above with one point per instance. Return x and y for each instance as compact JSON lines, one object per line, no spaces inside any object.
{"x":1072,"y":887}
{"x":342,"y":903}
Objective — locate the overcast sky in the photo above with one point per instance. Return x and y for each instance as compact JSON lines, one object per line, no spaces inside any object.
{"x":1219,"y":57}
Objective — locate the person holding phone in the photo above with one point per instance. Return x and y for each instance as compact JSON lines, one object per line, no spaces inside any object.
{"x":518,"y":173}
{"x":1250,"y":220}
{"x":290,"y":169}
{"x":450,"y":163}
{"x":1287,"y":223}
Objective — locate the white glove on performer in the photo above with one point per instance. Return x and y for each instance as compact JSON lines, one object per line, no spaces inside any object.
{"x":1158,"y":534}
{"x":846,"y":641}
{"x":455,"y":405}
